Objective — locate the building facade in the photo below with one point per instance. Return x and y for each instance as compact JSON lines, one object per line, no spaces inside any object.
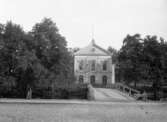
{"x":93,"y":64}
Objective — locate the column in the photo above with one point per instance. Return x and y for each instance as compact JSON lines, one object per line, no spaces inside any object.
{"x":113,"y":74}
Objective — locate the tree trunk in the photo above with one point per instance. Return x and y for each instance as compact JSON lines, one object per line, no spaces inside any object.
{"x":52,"y":86}
{"x":155,"y":90}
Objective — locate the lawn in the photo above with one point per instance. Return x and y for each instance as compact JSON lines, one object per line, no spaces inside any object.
{"x":93,"y":112}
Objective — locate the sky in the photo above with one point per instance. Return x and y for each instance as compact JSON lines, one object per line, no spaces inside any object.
{"x":107,"y":21}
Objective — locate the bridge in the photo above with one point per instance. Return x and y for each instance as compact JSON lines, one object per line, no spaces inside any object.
{"x":105,"y":94}
{"x":117,"y":92}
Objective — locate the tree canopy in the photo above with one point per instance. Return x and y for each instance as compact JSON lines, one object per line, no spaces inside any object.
{"x":37,"y":58}
{"x":143,"y":59}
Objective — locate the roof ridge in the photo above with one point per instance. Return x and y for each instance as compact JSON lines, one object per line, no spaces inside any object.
{"x":102,"y":49}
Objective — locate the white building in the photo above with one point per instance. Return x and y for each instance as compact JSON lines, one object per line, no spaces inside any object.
{"x":93,"y":64}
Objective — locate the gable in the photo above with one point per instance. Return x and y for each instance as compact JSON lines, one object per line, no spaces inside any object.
{"x":92,"y":50}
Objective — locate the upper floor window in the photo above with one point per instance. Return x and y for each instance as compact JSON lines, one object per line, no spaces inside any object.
{"x":92,"y":79}
{"x":81,"y":63}
{"x":105,"y":65}
{"x":93,"y":65}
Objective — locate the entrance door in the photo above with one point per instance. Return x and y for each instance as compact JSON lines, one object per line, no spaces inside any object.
{"x":92,"y":79}
{"x":104,"y":80}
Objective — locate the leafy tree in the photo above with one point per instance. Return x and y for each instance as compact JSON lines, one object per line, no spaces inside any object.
{"x":154,"y":58}
{"x":35,"y":59}
{"x":114,"y":53}
{"x":129,"y":59}
{"x":143,"y":60}
{"x":51,"y":49}
{"x":12,"y":37}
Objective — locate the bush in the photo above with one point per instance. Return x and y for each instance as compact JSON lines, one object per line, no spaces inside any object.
{"x":90,"y":94}
{"x":75,"y":91}
{"x":9,"y":93}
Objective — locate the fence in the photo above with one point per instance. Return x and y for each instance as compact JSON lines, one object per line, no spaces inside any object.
{"x":126,"y":89}
{"x":104,"y":86}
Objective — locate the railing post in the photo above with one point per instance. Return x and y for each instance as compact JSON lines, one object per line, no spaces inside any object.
{"x":130,"y":92}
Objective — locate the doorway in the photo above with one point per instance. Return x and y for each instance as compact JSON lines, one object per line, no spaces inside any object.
{"x":104,"y":79}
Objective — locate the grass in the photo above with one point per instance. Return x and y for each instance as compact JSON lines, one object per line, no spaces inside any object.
{"x":114,"y":112}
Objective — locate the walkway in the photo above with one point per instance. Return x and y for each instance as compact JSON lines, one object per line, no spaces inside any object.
{"x":103,"y":94}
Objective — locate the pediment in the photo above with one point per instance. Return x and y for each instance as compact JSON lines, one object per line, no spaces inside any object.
{"x":93,"y":50}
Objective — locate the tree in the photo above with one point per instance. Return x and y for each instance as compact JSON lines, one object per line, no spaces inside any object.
{"x":114,"y":53}
{"x":50,"y":48}
{"x":12,"y":44}
{"x":154,"y":58}
{"x":143,"y":60}
{"x":35,"y":59}
{"x":129,"y":59}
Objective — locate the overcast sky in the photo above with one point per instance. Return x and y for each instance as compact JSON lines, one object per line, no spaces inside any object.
{"x":110,"y":20}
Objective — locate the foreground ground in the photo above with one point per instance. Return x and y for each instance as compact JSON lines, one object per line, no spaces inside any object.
{"x":85,"y":111}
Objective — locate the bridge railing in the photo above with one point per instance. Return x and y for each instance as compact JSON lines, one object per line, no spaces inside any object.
{"x":130,"y":91}
{"x":122,"y":87}
{"x":104,"y":86}
{"x":127,"y":89}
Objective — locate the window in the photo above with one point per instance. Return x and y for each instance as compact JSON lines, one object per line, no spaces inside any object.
{"x":104,"y":80}
{"x":93,"y":65}
{"x":81,"y":79}
{"x":105,"y":65}
{"x":81,"y":65}
{"x":92,"y":79}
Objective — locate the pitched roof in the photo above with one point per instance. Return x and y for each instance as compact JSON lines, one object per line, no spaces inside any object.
{"x":92,"y":50}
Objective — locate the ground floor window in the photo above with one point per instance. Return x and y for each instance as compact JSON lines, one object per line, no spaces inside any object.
{"x":104,"y":80}
{"x":92,"y":79}
{"x":81,"y":79}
